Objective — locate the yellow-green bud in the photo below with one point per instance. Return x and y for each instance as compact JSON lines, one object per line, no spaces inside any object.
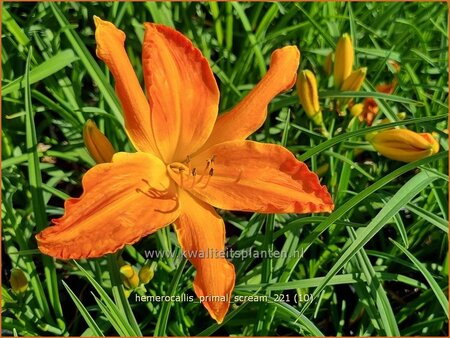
{"x":357,"y":109}
{"x":18,"y":280}
{"x":328,"y":64}
{"x":146,"y":274}
{"x":129,"y":276}
{"x":323,"y":169}
{"x":309,"y":97}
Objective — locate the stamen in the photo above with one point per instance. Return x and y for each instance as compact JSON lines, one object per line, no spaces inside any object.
{"x":188,"y":162}
{"x":211,"y":172}
{"x":210,"y":161}
{"x":178,"y":167}
{"x":194,"y":174}
{"x":151,"y":189}
{"x":152,"y":192}
{"x":181,"y":169}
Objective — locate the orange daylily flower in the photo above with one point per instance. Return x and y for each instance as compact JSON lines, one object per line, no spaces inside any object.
{"x":370,"y":106}
{"x":189,"y":161}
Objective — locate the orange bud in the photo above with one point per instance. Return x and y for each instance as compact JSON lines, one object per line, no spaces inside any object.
{"x":355,"y":80}
{"x":403,"y":145}
{"x":352,"y":83}
{"x":97,"y":144}
{"x":343,"y":61}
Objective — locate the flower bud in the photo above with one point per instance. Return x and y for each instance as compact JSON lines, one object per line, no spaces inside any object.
{"x":323,"y":169}
{"x":357,"y":109}
{"x":18,"y":280}
{"x":97,"y":144}
{"x":343,"y":60}
{"x":400,"y":117}
{"x":403,"y":144}
{"x":355,"y":80}
{"x":328,"y":64}
{"x":129,"y":276}
{"x":146,"y":274}
{"x":309,"y":97}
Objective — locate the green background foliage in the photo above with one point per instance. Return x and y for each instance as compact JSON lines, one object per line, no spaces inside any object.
{"x":378,"y":265}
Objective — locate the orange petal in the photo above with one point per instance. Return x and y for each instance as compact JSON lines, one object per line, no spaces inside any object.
{"x":249,"y":114}
{"x":110,"y":48}
{"x":122,"y":202}
{"x":201,"y":233}
{"x":183,"y":93}
{"x":252,"y":176}
{"x":387,"y":88}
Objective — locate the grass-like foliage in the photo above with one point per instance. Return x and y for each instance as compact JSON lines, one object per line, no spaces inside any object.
{"x":377,"y":265}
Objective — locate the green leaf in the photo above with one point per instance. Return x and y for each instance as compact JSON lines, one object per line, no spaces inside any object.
{"x":375,"y":286}
{"x":161,"y":324}
{"x":439,"y":222}
{"x":43,"y":70}
{"x":12,"y":26}
{"x":88,"y":61}
{"x":337,"y":139}
{"x":118,"y":318}
{"x":84,"y":312}
{"x":349,"y":205}
{"x":406,"y":193}
{"x":433,"y":284}
{"x":39,"y":208}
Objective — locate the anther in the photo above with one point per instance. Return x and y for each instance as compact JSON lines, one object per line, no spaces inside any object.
{"x":210,"y":161}
{"x":211,"y":171}
{"x":188,"y":162}
{"x":194,"y":172}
